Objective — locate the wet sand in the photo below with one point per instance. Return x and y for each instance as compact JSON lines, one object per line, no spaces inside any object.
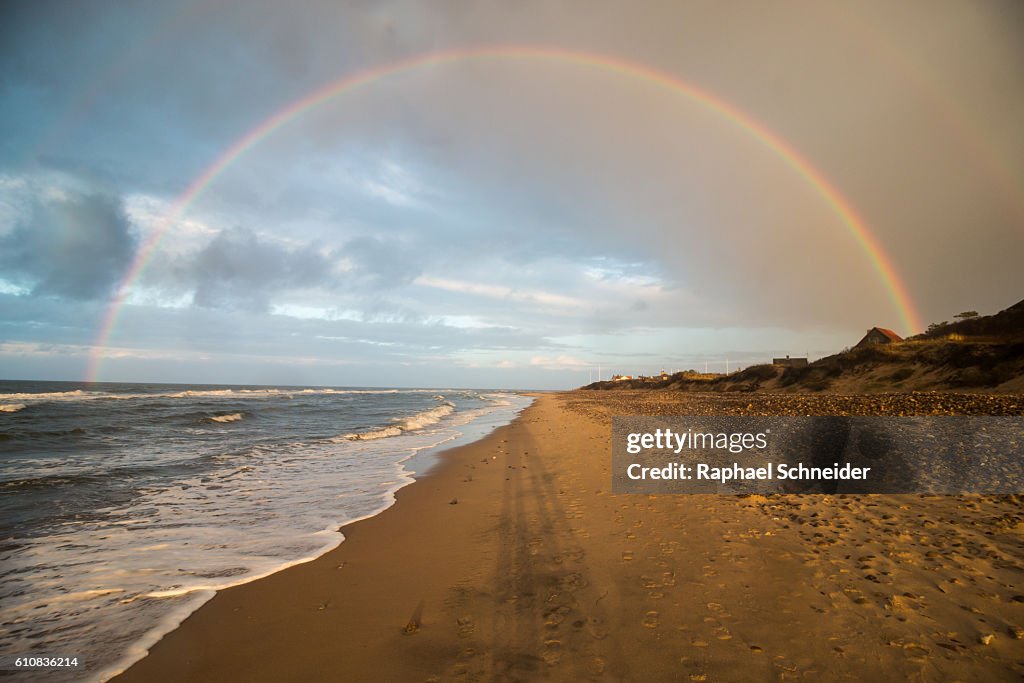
{"x":513,"y":560}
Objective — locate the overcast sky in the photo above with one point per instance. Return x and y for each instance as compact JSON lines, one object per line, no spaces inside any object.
{"x":502,"y":222}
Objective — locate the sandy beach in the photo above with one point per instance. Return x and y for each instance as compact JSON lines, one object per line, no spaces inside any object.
{"x":512,"y":560}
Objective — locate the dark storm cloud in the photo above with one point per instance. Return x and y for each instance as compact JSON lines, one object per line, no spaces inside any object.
{"x":69,"y":243}
{"x":238,"y":270}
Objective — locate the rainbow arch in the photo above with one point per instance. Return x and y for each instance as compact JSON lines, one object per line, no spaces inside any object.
{"x":855,"y":225}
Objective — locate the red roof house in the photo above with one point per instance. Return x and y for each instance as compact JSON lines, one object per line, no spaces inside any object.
{"x":879,"y":335}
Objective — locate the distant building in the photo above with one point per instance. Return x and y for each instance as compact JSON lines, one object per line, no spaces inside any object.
{"x":788,"y":362}
{"x":621,"y":378}
{"x":879,"y":335}
{"x":664,"y":375}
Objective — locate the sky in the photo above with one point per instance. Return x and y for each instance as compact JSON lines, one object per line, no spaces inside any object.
{"x":514,"y":217}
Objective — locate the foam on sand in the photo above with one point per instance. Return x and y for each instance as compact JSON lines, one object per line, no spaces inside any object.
{"x":11,"y":407}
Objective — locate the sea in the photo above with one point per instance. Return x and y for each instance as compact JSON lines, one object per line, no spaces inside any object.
{"x":124,"y":507}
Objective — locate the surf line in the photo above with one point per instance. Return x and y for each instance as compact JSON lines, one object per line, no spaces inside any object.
{"x":850,"y":219}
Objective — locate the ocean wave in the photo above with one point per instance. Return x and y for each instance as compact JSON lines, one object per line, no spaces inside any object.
{"x":408,"y":424}
{"x":51,"y":481}
{"x":11,"y":407}
{"x":269,"y":392}
{"x":233,"y":417}
{"x":374,"y":434}
{"x":201,"y":393}
{"x":47,"y":433}
{"x":58,"y":395}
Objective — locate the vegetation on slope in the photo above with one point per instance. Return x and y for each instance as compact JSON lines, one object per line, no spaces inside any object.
{"x":978,"y":353}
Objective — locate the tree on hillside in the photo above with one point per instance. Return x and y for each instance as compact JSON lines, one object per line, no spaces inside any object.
{"x":935,"y":327}
{"x":966,"y":315}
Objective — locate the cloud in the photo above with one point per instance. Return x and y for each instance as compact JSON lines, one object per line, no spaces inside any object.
{"x":239,"y":270}
{"x":69,"y":241}
{"x":375,"y":264}
{"x":559,"y":363}
{"x":532,"y":203}
{"x":500,"y":292}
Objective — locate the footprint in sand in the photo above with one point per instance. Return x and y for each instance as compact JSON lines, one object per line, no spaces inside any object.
{"x":648,"y":582}
{"x":556,"y":616}
{"x":572,"y":582}
{"x":465,"y":626}
{"x":651,"y":619}
{"x":594,"y":630}
{"x":552,"y":652}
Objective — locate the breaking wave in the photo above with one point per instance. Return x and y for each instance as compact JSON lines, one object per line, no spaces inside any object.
{"x":233,"y":417}
{"x":408,"y":424}
{"x":262,"y":393}
{"x":270,"y":393}
{"x":11,"y":407}
{"x":53,"y":395}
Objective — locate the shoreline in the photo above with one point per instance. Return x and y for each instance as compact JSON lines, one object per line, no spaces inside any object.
{"x":439,"y":459}
{"x":419,"y":464}
{"x":512,"y":560}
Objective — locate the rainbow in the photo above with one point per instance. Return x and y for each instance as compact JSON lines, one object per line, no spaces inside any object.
{"x":853,"y":223}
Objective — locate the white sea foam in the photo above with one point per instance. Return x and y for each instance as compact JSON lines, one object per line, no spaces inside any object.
{"x":233,"y":417}
{"x":165,"y":625}
{"x":272,"y":393}
{"x":53,"y":395}
{"x":371,"y":435}
{"x":80,"y":395}
{"x":11,"y":407}
{"x":408,"y":424}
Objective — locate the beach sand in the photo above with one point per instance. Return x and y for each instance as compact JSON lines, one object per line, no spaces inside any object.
{"x":513,"y":560}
